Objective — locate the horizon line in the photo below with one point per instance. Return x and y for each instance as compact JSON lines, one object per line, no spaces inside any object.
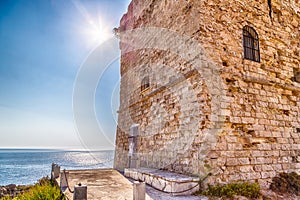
{"x":53,"y":149}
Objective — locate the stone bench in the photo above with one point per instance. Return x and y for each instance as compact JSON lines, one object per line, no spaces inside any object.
{"x":169,"y":182}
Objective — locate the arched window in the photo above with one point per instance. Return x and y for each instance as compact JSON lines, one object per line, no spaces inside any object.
{"x":251,"y":44}
{"x":145,"y":83}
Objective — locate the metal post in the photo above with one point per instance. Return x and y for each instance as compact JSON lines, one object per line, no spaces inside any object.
{"x":132,"y":141}
{"x":80,"y":192}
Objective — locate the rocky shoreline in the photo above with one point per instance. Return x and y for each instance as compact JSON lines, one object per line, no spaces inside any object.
{"x":12,"y":190}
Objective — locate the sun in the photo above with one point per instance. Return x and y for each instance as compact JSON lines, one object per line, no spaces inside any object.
{"x":93,"y":28}
{"x":99,"y":33}
{"x":96,"y":32}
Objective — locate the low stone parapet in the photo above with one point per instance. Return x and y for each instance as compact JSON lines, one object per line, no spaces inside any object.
{"x":165,"y":181}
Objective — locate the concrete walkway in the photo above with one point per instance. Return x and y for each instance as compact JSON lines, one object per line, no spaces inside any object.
{"x":109,"y":184}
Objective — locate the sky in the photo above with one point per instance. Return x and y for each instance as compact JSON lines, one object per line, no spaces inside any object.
{"x":43,"y":46}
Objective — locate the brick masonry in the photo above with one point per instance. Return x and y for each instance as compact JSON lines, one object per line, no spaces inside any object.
{"x":223,"y":116}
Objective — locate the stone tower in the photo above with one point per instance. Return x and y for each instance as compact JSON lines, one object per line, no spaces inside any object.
{"x":210,"y":88}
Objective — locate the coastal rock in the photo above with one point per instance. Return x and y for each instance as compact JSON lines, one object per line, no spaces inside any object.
{"x":4,"y":191}
{"x":11,"y":187}
{"x":10,"y":190}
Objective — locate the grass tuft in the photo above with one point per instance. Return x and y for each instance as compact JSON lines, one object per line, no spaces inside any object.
{"x":250,"y":190}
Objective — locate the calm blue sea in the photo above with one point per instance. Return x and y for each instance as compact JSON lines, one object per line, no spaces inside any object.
{"x":22,"y":167}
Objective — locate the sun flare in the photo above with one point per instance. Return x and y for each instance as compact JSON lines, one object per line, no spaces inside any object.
{"x":96,"y":33}
{"x":93,"y":29}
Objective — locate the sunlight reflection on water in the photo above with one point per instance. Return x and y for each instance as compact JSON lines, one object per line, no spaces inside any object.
{"x":26,"y":167}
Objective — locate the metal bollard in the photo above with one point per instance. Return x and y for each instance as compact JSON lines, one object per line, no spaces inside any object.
{"x":63,"y":180}
{"x":139,"y":190}
{"x":80,"y":192}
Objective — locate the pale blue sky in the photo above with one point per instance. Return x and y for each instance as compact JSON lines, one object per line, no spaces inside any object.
{"x":42,"y":46}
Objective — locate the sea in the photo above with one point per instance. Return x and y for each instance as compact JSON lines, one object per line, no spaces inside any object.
{"x":27,"y":166}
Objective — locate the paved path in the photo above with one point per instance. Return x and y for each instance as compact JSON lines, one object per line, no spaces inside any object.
{"x":109,"y":184}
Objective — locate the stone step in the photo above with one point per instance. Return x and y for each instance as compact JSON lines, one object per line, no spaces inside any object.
{"x":166,"y":181}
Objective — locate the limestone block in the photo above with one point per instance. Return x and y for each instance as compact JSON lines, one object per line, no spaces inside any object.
{"x":232,"y":161}
{"x":255,"y":175}
{"x":244,"y":161}
{"x":246,"y":169}
{"x":147,"y":179}
{"x":127,"y":172}
{"x":142,"y":177}
{"x":184,"y":188}
{"x":135,"y":175}
{"x":55,"y":171}
{"x":63,"y":180}
{"x":158,"y":183}
{"x":168,"y":187}
{"x":267,"y":168}
{"x":150,"y":179}
{"x":268,"y":174}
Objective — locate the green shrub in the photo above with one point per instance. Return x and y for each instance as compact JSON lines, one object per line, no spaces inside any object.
{"x":5,"y":198}
{"x":286,"y":183}
{"x":250,"y":190}
{"x":45,"y":189}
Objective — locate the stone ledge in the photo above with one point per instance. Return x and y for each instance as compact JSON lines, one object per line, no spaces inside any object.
{"x":169,"y":182}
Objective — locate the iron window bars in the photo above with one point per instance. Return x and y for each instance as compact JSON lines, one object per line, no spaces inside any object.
{"x":145,"y":83}
{"x":251,"y":44}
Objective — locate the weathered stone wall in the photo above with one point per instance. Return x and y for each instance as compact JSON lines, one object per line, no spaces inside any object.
{"x":249,"y":128}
